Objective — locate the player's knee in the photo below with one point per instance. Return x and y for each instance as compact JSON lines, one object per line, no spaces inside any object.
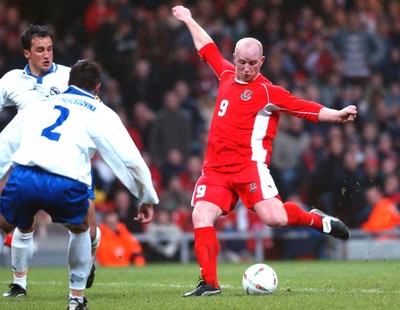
{"x":273,"y":219}
{"x":271,"y":213}
{"x":276,"y":223}
{"x":197,"y":218}
{"x":21,"y":239}
{"x":206,"y":215}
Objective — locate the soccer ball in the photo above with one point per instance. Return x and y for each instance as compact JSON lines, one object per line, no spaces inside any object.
{"x":259,"y":279}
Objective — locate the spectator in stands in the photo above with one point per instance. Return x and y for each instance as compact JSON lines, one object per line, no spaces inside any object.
{"x":171,"y":129}
{"x":315,"y":153}
{"x":372,"y":173}
{"x":319,"y":61}
{"x":10,"y":46}
{"x":103,"y":39}
{"x":156,"y":175}
{"x":394,"y":129}
{"x":391,"y":69}
{"x":172,"y":165}
{"x":330,"y":89}
{"x":369,"y":133}
{"x":256,"y":22}
{"x":385,"y":147}
{"x":142,"y":84}
{"x":193,"y":170}
{"x":321,"y":194}
{"x":384,"y":213}
{"x":395,"y":29}
{"x":176,"y":199}
{"x":359,"y":51}
{"x":182,"y":217}
{"x":349,"y":197}
{"x":118,"y":247}
{"x":163,"y":238}
{"x":391,"y":189}
{"x":354,"y":147}
{"x":390,"y":167}
{"x":142,"y":119}
{"x":290,"y":142}
{"x":125,"y":46}
{"x":174,"y":195}
{"x":97,"y":13}
{"x":190,"y":109}
{"x":125,"y":205}
{"x":234,"y":23}
{"x":392,"y":97}
{"x":111,"y":94}
{"x":182,"y":67}
{"x":153,"y":38}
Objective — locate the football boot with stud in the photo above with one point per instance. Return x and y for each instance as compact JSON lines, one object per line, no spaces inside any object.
{"x":332,"y":225}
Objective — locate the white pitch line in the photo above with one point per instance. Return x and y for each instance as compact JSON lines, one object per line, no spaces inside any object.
{"x":182,"y":286}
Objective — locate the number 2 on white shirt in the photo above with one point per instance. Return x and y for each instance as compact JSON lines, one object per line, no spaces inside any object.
{"x":48,"y":131}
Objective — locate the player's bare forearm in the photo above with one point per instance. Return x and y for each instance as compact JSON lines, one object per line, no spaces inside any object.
{"x":347,"y":114}
{"x":199,"y":35}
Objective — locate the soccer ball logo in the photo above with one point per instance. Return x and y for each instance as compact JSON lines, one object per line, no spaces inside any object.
{"x":259,"y":279}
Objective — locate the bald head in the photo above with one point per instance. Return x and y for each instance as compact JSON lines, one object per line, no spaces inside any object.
{"x":248,"y":58}
{"x":249,"y":44}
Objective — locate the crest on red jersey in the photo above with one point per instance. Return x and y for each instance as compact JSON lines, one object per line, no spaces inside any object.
{"x":246,"y":95}
{"x":253,"y":187}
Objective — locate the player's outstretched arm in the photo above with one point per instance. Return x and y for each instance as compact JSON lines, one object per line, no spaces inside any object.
{"x":199,"y":35}
{"x":145,"y":213}
{"x":347,"y":114}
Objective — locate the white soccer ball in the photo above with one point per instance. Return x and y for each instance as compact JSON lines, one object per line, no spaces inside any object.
{"x":259,"y":279}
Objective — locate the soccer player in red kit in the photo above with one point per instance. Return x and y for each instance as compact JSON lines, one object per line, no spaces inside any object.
{"x":239,"y":149}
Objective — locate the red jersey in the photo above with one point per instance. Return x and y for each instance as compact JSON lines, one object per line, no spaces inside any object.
{"x":246,"y":115}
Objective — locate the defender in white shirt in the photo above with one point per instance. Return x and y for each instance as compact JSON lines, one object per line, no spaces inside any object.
{"x":40,"y":78}
{"x":49,"y":144}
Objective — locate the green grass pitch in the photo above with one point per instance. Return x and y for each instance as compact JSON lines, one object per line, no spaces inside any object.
{"x":302,"y":285}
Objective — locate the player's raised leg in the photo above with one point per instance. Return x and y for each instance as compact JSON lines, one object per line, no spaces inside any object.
{"x":274,"y":213}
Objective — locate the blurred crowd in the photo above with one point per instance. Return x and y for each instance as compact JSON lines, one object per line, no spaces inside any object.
{"x":336,"y":52}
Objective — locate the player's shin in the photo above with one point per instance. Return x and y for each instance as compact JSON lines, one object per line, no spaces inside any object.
{"x":79,"y":260}
{"x":21,"y":250}
{"x":206,"y":248}
{"x":21,"y":255}
{"x":299,"y":217}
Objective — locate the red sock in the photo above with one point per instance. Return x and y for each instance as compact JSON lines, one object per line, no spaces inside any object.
{"x":206,"y":248}
{"x":7,"y":241}
{"x":298,"y":217}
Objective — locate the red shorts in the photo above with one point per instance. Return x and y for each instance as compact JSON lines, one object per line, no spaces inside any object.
{"x":252,"y":183}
